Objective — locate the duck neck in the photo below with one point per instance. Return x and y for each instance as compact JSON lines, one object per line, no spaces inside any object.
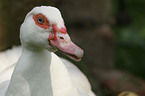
{"x":31,"y":76}
{"x":40,"y":73}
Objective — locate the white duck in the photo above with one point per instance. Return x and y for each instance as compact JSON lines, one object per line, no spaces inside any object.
{"x":39,"y":72}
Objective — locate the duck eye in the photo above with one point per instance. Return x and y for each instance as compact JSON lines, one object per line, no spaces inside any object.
{"x":40,"y":20}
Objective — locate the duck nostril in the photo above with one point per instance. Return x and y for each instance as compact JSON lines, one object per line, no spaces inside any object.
{"x":61,"y":38}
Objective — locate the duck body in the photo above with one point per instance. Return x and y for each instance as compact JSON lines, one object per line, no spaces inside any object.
{"x":60,"y":69}
{"x":39,"y":72}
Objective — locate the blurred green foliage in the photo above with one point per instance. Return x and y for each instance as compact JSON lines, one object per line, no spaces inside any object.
{"x":130,"y":39}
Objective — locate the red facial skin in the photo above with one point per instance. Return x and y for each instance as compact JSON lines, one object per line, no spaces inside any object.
{"x":55,"y":29}
{"x":46,"y":25}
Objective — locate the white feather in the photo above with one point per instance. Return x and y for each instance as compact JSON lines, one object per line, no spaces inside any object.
{"x":40,"y":73}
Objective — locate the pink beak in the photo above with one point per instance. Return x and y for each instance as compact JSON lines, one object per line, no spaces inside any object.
{"x":61,"y":40}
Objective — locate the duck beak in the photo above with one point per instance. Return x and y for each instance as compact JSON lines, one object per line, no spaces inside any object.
{"x":63,"y":43}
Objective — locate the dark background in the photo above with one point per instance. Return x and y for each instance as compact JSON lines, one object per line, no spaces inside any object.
{"x":111,"y":32}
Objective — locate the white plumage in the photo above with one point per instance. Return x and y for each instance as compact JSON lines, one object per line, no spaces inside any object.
{"x":39,"y":72}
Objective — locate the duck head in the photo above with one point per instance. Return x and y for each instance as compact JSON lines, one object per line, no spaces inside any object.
{"x":44,"y":27}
